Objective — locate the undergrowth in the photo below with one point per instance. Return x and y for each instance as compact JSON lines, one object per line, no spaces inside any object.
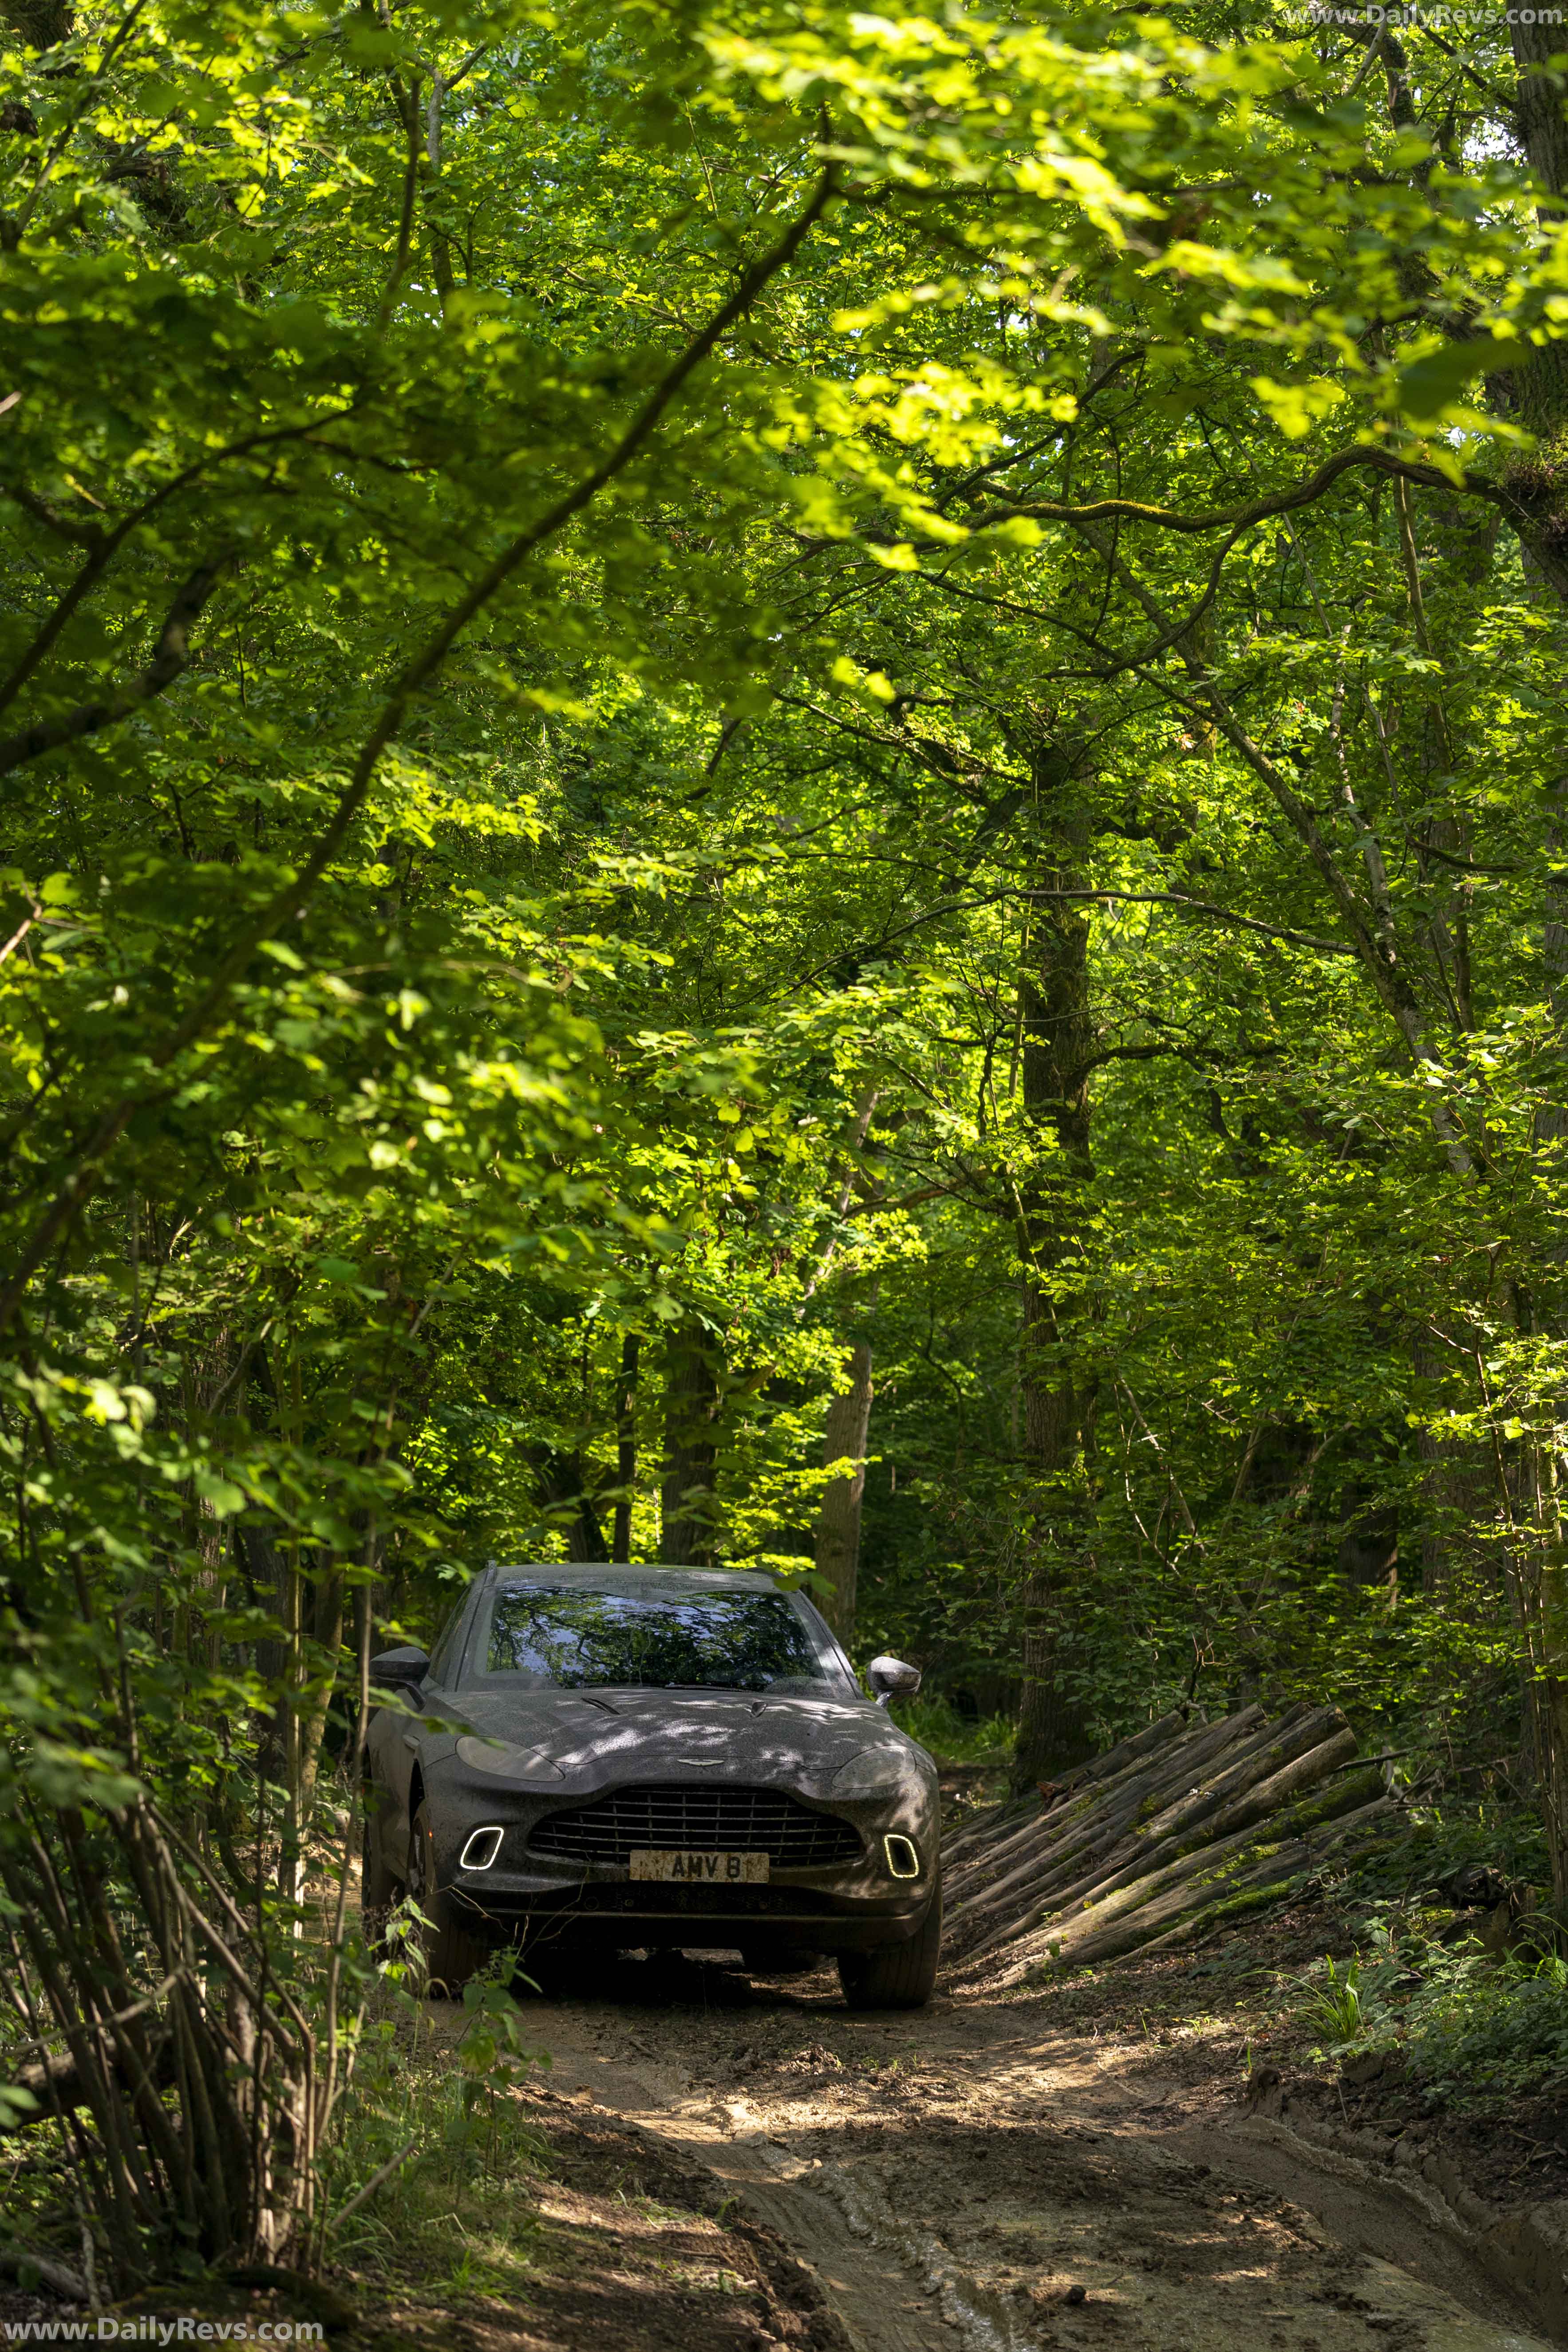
{"x":1442,"y":1838}
{"x":938,"y":1726}
{"x":1469,"y":2024}
{"x":434,"y":2174}
{"x":1486,"y":2026}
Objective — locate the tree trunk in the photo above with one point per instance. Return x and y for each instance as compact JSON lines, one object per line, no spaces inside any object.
{"x":690,"y":1417}
{"x":626,"y":1447}
{"x":1539,"y":1573}
{"x":562,"y":1487}
{"x":839,"y":1526}
{"x":1542,"y":1607}
{"x":1437,"y":1517}
{"x":327,"y":1641}
{"x":1057,"y":1042}
{"x":1537,"y":484}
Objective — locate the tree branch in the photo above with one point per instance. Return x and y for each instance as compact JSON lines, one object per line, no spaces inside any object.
{"x":1239,"y":519}
{"x":173,"y":654}
{"x":1199,"y":907}
{"x":102,"y":545}
{"x":407,"y":105}
{"x":286,"y":904}
{"x":1375,"y":949}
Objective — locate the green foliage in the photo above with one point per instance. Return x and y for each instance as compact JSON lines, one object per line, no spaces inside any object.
{"x":685,"y":690}
{"x":1497,"y":1833}
{"x":952,"y":1740}
{"x":460,"y":2145}
{"x":1348,"y":2006}
{"x":1472,"y":2026}
{"x":1483,"y":2029}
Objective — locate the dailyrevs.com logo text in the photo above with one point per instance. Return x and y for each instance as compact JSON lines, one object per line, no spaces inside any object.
{"x":152,"y":2328}
{"x":1442,"y":12}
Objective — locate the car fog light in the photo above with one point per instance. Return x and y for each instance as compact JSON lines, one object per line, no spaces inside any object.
{"x":903,"y":1857}
{"x":481,"y":1849}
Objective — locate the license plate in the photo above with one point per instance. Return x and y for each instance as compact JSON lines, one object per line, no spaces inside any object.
{"x":693,"y":1866}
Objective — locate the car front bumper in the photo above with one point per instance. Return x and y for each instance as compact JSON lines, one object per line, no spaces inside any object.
{"x":808,"y":1918}
{"x":853,"y":1905}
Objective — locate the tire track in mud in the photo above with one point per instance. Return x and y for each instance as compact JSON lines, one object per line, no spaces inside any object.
{"x":961,"y":2187}
{"x":867,"y":2281}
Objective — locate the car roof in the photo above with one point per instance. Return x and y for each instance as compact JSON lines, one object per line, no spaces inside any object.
{"x":635,"y":1578}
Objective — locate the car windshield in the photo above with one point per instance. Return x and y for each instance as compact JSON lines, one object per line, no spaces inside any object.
{"x":576,"y":1640}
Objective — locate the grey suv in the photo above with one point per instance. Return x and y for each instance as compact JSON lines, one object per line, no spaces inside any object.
{"x":637,"y":1756}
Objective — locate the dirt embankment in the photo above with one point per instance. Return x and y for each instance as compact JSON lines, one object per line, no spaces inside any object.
{"x":976,"y":2179}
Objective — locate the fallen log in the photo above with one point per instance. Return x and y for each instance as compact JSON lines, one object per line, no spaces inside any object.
{"x":1090,"y":1826}
{"x":984,"y":1827}
{"x":1133,"y":1889}
{"x":1113,"y":1761}
{"x":1240,"y":1851}
{"x":1261,"y":1873}
{"x":1358,"y":1834}
{"x":1025,"y":1813}
{"x":1185,"y":1827}
{"x":1306,"y":1772}
{"x":1164,"y":1830}
{"x":56,"y":2083}
{"x":1148,"y":1850}
{"x":22,"y":2262}
{"x":1275,"y":1747}
{"x":1078,"y":1843}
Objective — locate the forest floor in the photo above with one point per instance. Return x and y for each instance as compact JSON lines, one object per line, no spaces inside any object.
{"x":1140,"y":2158}
{"x":993,"y":2174}
{"x":717,"y":2163}
{"x":1143,"y":2157}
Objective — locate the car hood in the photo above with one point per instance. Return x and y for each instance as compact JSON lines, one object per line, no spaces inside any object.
{"x":639,"y":1735}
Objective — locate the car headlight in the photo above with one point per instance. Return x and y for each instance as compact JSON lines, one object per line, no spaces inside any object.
{"x":877,"y":1772}
{"x":506,"y":1762}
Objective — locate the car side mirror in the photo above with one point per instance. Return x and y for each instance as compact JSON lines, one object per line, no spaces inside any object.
{"x":890,"y":1678}
{"x":400,"y":1669}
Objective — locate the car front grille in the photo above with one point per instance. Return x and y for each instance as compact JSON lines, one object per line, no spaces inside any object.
{"x":745,"y":1821}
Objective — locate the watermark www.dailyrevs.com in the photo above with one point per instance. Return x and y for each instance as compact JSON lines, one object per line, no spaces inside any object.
{"x":153,"y":2329}
{"x":1441,"y":13}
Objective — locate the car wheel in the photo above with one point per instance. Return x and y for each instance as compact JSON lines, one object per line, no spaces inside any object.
{"x":379,"y":1892}
{"x":898,"y":1976}
{"x":450,"y":1954}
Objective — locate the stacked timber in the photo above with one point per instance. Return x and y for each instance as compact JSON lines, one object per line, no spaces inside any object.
{"x":1168,"y":1836}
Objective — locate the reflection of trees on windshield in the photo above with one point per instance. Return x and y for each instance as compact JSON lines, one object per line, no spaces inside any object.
{"x":728,"y":1640}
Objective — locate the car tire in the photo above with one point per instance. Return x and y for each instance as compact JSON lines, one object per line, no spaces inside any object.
{"x":452,"y":1955}
{"x":896,"y":1976}
{"x":379,"y":1892}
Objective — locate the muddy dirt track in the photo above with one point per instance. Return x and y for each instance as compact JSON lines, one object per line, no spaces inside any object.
{"x":965,"y":2181}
